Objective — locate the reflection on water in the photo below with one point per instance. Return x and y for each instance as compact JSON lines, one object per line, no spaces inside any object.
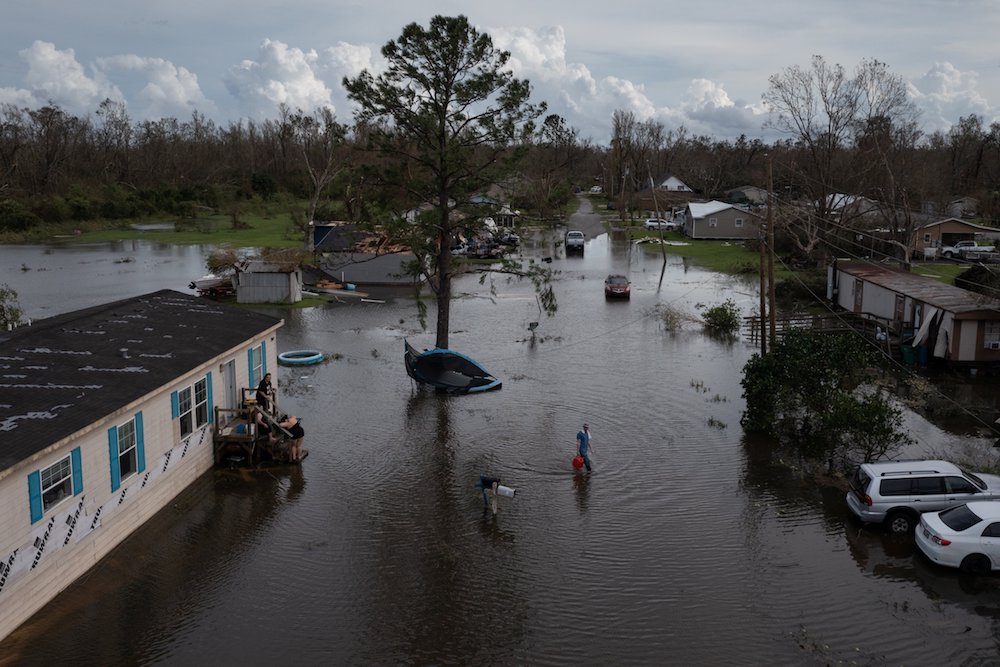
{"x":581,"y":484}
{"x":688,"y":540}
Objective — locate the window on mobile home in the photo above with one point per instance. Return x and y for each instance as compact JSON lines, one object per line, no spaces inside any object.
{"x":57,"y":483}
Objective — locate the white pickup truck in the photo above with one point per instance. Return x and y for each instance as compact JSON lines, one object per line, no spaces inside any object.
{"x":575,"y":241}
{"x":963,"y":248}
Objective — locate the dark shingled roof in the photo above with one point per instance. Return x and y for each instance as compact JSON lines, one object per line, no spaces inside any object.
{"x":61,"y":374}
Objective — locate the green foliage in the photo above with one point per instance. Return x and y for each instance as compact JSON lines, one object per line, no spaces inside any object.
{"x":723,"y":318}
{"x":264,"y":186}
{"x":11,"y":314}
{"x":981,"y":279}
{"x":445,"y":115}
{"x":807,"y":393}
{"x":16,"y":218}
{"x":52,"y":209}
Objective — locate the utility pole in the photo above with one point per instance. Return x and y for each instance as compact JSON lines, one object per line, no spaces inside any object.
{"x":770,"y":248}
{"x":763,"y":294}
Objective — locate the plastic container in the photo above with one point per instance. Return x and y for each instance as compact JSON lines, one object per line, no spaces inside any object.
{"x":908,"y":355}
{"x":505,"y":491}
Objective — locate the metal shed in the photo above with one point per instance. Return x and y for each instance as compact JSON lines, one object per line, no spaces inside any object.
{"x":268,"y":282}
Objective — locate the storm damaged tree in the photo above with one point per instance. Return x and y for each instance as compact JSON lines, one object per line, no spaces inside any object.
{"x":555,"y":150}
{"x":635,"y":145}
{"x":320,"y":141}
{"x":828,"y":114}
{"x":446,"y":116}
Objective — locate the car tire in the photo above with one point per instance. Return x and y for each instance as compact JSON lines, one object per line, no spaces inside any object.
{"x":900,"y":522}
{"x":948,"y":255}
{"x":975,"y":564}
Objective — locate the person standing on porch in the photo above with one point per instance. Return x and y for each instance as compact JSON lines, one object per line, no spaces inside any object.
{"x":264,"y":392}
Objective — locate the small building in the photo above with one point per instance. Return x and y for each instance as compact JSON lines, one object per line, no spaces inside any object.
{"x":950,"y":323}
{"x":719,"y":220}
{"x":747,"y":194}
{"x":503,"y":218}
{"x":352,"y":254}
{"x":260,"y":281}
{"x":674,"y":184}
{"x":847,"y":206}
{"x":947,"y":232}
{"x":107,"y":414}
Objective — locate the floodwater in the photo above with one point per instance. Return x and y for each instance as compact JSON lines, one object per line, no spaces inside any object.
{"x":688,"y":544}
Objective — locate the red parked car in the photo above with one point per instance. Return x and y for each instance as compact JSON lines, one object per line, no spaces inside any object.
{"x":617,"y":286}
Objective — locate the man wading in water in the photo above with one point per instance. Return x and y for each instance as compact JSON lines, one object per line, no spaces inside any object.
{"x":583,"y":446}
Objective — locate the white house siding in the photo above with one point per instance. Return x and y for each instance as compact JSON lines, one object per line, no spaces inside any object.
{"x":967,"y":337}
{"x":37,"y":561}
{"x":879,"y":301}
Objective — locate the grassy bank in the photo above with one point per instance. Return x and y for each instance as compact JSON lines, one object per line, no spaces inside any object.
{"x":722,"y":256}
{"x":259,"y":229}
{"x":246,"y":224}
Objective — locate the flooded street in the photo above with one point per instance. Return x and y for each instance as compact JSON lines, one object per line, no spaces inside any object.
{"x":688,"y":544}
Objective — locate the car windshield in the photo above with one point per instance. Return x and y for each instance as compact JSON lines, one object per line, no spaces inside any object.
{"x":959,"y":518}
{"x":974,"y":479}
{"x":617,"y":280}
{"x":575,"y":235}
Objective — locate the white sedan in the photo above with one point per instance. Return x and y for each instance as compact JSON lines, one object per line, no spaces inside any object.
{"x":965,"y":536}
{"x":660,"y":223}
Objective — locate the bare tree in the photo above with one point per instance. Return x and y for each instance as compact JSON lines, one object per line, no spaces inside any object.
{"x":826,"y":112}
{"x":321,"y":141}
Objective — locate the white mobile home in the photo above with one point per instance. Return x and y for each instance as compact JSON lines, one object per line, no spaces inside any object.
{"x":951,"y":323}
{"x":106,"y":415}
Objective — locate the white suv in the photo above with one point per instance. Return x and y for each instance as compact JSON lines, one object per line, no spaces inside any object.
{"x":895,"y":493}
{"x":660,"y":223}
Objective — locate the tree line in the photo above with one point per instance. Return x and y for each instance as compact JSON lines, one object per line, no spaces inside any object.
{"x":844,"y":132}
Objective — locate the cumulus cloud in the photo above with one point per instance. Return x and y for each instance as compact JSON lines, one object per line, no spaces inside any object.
{"x":55,"y":76}
{"x":945,"y":93}
{"x":346,"y":60}
{"x":589,"y":103}
{"x":169,"y":91}
{"x":280,"y":75}
{"x":709,"y":110}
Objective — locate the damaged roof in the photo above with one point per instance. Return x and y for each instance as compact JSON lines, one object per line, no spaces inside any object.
{"x":962,"y":303}
{"x":63,"y":373}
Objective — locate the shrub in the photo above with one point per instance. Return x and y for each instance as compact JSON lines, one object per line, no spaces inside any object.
{"x":11,"y":314}
{"x":16,"y":218}
{"x":52,"y":209}
{"x":723,"y":318}
{"x":808,"y":394}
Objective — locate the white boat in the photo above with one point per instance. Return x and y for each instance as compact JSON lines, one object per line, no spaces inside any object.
{"x":212,"y":283}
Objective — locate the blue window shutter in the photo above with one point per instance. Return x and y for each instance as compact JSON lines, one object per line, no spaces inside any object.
{"x":175,"y":406}
{"x":263,"y":357}
{"x":140,"y":448}
{"x":77,"y":471}
{"x":116,"y":473}
{"x":250,"y":366}
{"x":208,"y":389}
{"x":35,"y":496}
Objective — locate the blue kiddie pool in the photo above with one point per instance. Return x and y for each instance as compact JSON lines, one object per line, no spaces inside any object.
{"x":301,"y":357}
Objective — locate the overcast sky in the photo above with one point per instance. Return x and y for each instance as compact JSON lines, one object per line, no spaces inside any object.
{"x":703,"y":65}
